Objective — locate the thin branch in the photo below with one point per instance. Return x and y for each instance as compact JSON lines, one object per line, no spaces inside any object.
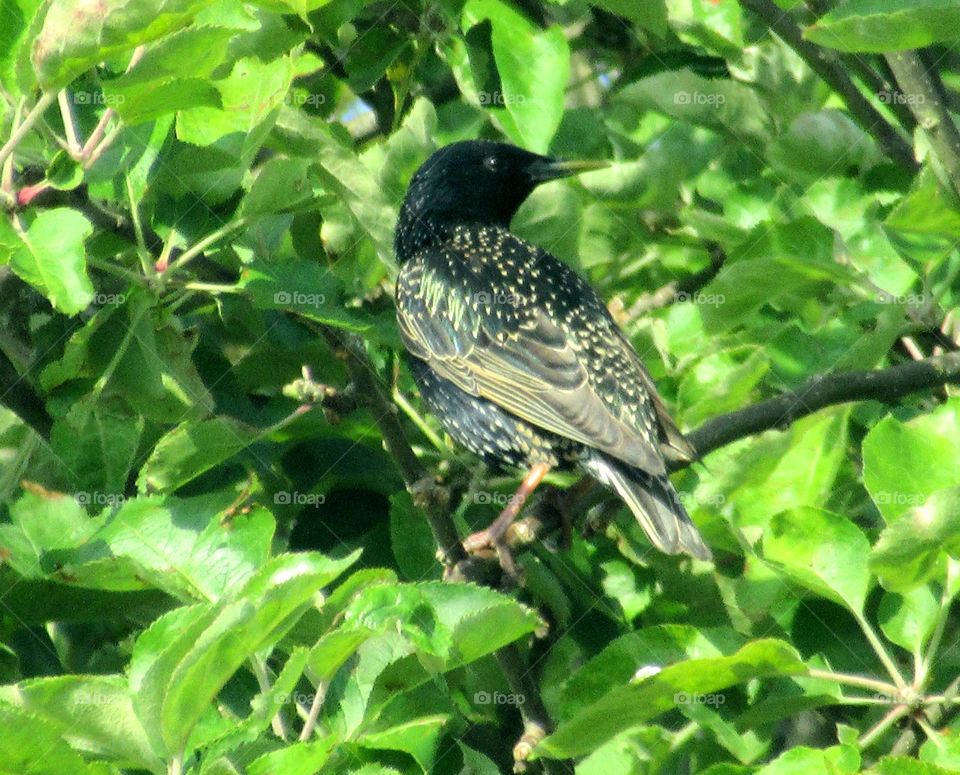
{"x":851,"y":679}
{"x":891,"y":718}
{"x":826,"y":64}
{"x":415,"y":476}
{"x":536,"y":721}
{"x":45,"y":101}
{"x":821,"y":391}
{"x":69,"y":123}
{"x":928,"y":105}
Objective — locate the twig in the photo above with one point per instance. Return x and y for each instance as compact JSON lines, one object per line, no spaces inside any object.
{"x":891,"y":718}
{"x":536,"y":721}
{"x":415,"y":476}
{"x":311,"y":721}
{"x":677,"y":290}
{"x":863,"y":682}
{"x":69,"y":124}
{"x":928,"y":106}
{"x":826,"y":390}
{"x":45,"y":101}
{"x":825,"y":64}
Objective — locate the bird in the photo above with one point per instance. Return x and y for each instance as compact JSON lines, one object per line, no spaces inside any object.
{"x":516,"y":355}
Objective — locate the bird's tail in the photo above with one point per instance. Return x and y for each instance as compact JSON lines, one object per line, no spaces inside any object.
{"x":653,"y":502}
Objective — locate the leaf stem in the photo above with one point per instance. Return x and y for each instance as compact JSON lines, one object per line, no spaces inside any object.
{"x":310,"y":724}
{"x":45,"y":101}
{"x":278,"y":723}
{"x":211,"y":239}
{"x":882,"y":726}
{"x":877,"y":645}
{"x":850,"y":679}
{"x":923,"y":671}
{"x":69,"y":124}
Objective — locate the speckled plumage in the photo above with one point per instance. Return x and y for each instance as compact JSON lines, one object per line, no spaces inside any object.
{"x":514,"y":352}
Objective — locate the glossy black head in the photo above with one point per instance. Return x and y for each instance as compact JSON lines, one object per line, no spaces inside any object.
{"x":474,"y":181}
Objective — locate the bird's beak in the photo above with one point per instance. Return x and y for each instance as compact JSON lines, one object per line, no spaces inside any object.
{"x":550,"y":169}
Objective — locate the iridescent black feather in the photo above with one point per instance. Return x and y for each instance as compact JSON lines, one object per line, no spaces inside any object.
{"x":514,"y":352}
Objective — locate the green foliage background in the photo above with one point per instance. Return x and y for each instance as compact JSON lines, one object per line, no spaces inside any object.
{"x":200,"y":576}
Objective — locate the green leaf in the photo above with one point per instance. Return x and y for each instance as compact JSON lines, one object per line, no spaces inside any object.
{"x":252,"y":96}
{"x":173,"y":74}
{"x":187,"y":547}
{"x":533,"y":66}
{"x":191,"y":449}
{"x":653,"y":647}
{"x":52,"y":258}
{"x":418,"y":737}
{"x":714,"y":24}
{"x":306,"y":287}
{"x":820,"y":144}
{"x":636,"y":703}
{"x":94,"y":713}
{"x":903,"y":461}
{"x":96,"y":444}
{"x":908,"y":619}
{"x":824,"y":552}
{"x":726,"y":106}
{"x":343,"y":174}
{"x":650,"y":15}
{"x":192,"y":667}
{"x":836,"y":760}
{"x":29,"y":744}
{"x":910,"y":549}
{"x":887,"y":25}
{"x":411,"y":539}
{"x":280,"y":185}
{"x":904,"y":765}
{"x":295,"y":758}
{"x":76,"y":35}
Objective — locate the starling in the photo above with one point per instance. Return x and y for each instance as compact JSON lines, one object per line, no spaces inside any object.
{"x":516,"y":354}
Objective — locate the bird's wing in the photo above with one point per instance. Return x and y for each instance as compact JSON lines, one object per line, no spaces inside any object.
{"x":536,"y":340}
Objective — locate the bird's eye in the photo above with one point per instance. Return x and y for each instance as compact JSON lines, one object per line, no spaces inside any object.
{"x":492,"y":163}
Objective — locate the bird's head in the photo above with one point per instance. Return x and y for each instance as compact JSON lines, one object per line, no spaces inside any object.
{"x":474,"y":181}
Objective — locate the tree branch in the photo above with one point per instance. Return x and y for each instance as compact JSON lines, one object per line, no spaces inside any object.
{"x":928,"y":105}
{"x":415,"y":476}
{"x":826,"y":390}
{"x":827,"y":66}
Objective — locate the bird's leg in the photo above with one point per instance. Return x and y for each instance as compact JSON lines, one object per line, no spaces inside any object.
{"x":496,"y":533}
